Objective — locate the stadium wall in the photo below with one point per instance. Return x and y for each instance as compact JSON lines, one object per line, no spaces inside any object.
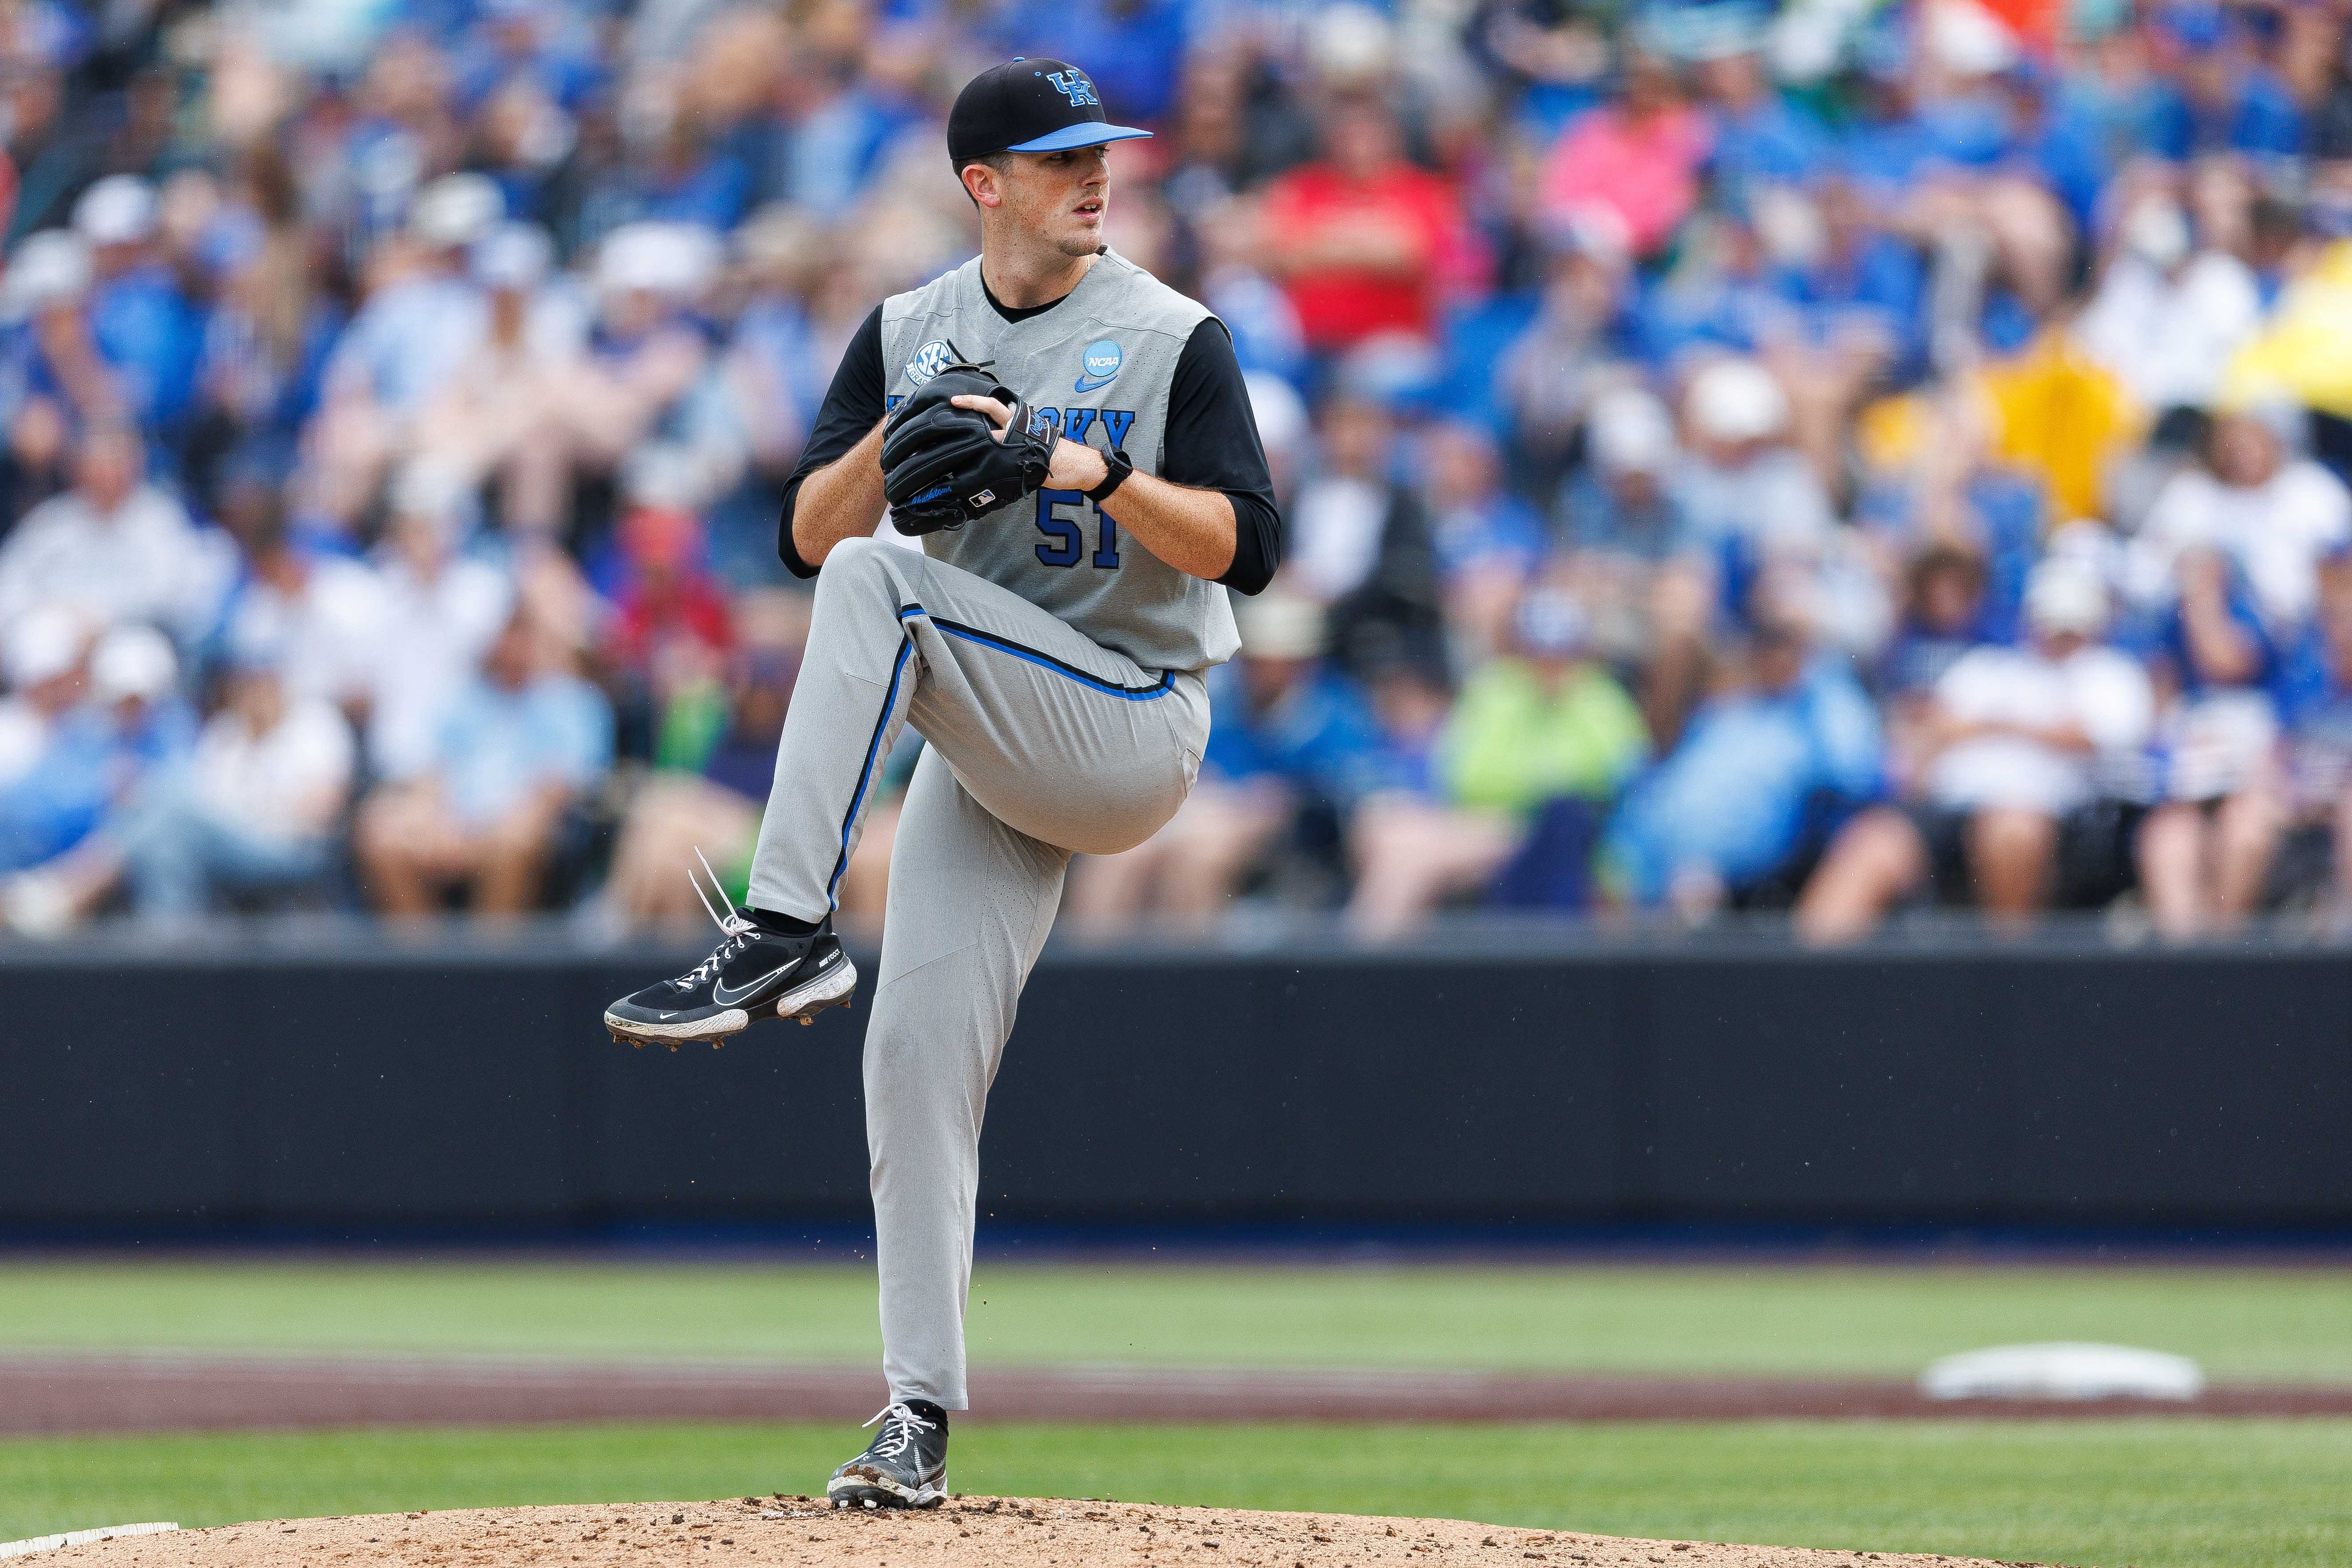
{"x":463,"y":1084}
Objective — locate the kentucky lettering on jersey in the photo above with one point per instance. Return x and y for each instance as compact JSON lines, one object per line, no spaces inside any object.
{"x":1100,"y":364}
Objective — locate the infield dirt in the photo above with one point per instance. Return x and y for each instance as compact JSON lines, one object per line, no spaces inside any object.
{"x":968,"y":1533}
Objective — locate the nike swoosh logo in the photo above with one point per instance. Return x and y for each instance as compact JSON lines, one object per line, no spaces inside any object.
{"x":1084,"y":384}
{"x":718,"y":987}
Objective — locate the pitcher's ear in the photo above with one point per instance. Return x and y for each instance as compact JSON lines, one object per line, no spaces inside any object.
{"x":981,"y":185}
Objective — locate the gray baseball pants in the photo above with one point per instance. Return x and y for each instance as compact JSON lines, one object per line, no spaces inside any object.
{"x":1042,"y":744}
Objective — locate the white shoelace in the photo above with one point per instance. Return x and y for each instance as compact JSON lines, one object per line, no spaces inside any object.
{"x":731,"y":926}
{"x":900,"y":1431}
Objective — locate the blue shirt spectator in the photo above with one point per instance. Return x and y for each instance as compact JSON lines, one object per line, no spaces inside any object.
{"x":2000,"y":517}
{"x":1942,"y":617}
{"x":2220,"y":100}
{"x":504,"y":742}
{"x":2259,"y":116}
{"x":552,"y":47}
{"x":1132,"y":49}
{"x":1765,"y":138}
{"x":1296,"y":723}
{"x":696,"y":184}
{"x":1759,"y":778}
{"x":834,"y":148}
{"x":135,"y":726}
{"x":1476,"y":521}
{"x":1730,"y":300}
{"x":1629,"y":514}
{"x":2057,"y":138}
{"x":406,"y":342}
{"x":147,"y":330}
{"x":1864,"y":281}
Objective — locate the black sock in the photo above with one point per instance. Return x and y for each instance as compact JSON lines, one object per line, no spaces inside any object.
{"x":928,"y":1412}
{"x":782,"y":925}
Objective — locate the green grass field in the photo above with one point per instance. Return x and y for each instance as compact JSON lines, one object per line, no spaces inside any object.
{"x":2279,"y":1324}
{"x":2157,"y":1494}
{"x":2218,"y":1493}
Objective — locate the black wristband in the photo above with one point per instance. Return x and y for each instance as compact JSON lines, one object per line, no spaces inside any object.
{"x":1117,"y":461}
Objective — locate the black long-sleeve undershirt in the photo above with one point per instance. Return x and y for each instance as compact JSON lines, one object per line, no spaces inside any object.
{"x":1211,"y":440}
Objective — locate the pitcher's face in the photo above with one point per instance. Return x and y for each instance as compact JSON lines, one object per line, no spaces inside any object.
{"x":1060,"y":197}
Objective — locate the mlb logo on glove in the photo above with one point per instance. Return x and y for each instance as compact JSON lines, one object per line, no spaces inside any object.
{"x":943,"y":466}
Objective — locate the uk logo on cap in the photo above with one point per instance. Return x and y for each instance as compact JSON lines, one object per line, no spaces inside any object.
{"x":1074,"y":87}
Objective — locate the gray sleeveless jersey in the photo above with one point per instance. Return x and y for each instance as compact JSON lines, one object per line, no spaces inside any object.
{"x":1102,"y":364}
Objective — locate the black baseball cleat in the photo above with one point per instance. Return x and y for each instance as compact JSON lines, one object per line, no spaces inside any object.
{"x":753,"y":973}
{"x":906,"y":1465}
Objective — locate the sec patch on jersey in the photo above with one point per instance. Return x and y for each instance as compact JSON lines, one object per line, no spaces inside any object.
{"x":932,"y":358}
{"x":1098,"y":365}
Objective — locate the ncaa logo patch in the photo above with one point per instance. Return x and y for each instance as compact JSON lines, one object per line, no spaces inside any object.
{"x":929,"y":360}
{"x":1098,"y":365}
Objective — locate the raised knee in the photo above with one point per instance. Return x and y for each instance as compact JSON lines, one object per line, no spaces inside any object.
{"x":862,"y":560}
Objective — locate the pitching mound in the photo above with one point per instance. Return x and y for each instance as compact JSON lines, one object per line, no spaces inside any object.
{"x":968,"y":1533}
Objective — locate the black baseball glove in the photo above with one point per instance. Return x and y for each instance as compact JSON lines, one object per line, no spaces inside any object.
{"x":943,"y":466}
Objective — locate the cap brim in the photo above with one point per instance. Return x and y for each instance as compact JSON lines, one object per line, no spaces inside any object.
{"x":1086,"y":133}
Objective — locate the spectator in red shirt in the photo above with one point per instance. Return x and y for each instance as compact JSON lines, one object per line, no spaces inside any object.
{"x":1363,"y":240}
{"x":1635,"y":159}
{"x":670,"y":628}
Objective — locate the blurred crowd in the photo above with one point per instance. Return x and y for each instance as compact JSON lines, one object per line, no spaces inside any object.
{"x":1848,"y":457}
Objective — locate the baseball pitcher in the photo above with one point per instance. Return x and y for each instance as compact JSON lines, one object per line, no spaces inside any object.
{"x":1072,"y":442}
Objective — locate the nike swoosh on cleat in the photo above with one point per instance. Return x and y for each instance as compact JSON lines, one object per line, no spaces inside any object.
{"x":718,"y":987}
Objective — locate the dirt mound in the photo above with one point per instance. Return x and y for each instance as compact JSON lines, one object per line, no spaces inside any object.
{"x":968,"y":1533}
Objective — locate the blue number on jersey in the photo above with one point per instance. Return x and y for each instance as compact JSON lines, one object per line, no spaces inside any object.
{"x":1054,"y":525}
{"x":1068,"y":534}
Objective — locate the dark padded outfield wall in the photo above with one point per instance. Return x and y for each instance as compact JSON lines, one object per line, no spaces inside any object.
{"x":454,"y":1083}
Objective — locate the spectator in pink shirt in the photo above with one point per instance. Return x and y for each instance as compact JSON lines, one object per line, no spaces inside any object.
{"x":1636,"y":158}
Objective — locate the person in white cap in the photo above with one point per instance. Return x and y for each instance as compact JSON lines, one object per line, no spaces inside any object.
{"x":2261,"y":500}
{"x":116,"y":547}
{"x":644,"y":353}
{"x":67,"y":382}
{"x":421,"y":322}
{"x":2019,"y":743}
{"x":490,"y":419}
{"x":41,"y":660}
{"x":1743,"y":480}
{"x":54,"y":822}
{"x":2170,"y":312}
{"x":257,"y":808}
{"x":1634,"y":558}
{"x":46,"y":270}
{"x":134,"y":675}
{"x":143,"y":325}
{"x":442,"y":611}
